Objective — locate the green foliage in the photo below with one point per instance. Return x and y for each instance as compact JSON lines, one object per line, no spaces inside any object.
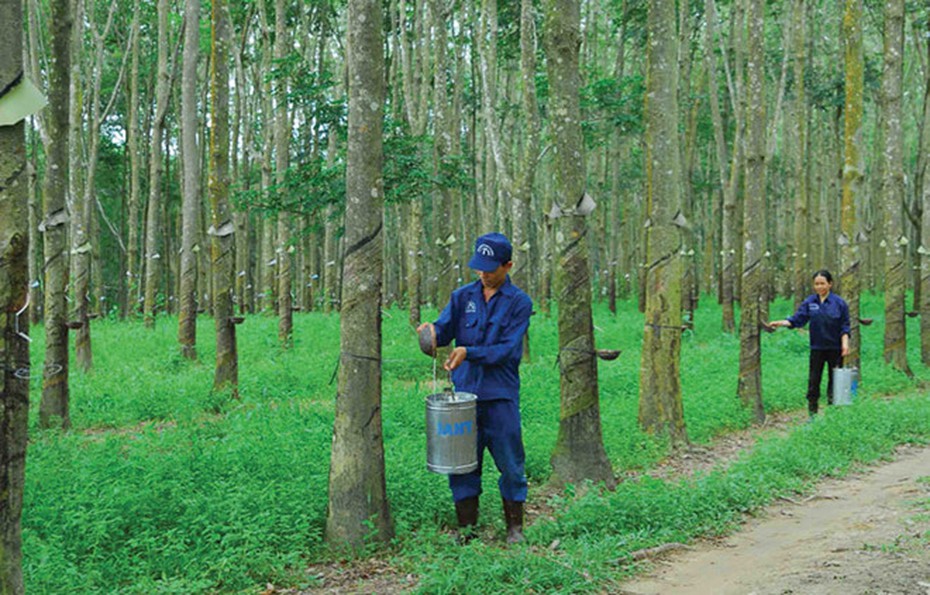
{"x":615,"y":107}
{"x":165,"y":486}
{"x":311,"y":186}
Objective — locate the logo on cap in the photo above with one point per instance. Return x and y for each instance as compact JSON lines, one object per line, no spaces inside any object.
{"x":485,"y":250}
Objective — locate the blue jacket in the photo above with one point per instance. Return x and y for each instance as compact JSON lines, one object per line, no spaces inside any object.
{"x":829,"y":320}
{"x":492,"y":334}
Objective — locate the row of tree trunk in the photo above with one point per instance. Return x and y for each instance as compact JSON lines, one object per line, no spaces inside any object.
{"x":448,"y":85}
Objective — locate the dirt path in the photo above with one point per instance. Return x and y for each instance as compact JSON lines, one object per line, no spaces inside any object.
{"x":866,"y":534}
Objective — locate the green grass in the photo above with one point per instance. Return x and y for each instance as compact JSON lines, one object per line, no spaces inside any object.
{"x":164,"y":486}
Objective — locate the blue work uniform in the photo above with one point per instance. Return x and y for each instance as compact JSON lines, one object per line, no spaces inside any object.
{"x":492,"y":334}
{"x":829,"y":321}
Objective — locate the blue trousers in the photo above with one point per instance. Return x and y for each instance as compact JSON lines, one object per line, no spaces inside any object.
{"x":499,"y":432}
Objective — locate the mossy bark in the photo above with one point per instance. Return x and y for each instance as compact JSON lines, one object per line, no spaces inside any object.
{"x":924,"y":190}
{"x":853,"y":173}
{"x":222,"y":229}
{"x":801,"y":268}
{"x":53,"y":409}
{"x":753,"y":291}
{"x":153,"y":226}
{"x":282,"y":146}
{"x":358,"y":508}
{"x":187,"y":313}
{"x":579,"y":452}
{"x":14,"y":319}
{"x":660,"y":406}
{"x":894,"y":242}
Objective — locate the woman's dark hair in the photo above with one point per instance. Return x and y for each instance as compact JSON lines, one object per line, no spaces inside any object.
{"x":825,"y":274}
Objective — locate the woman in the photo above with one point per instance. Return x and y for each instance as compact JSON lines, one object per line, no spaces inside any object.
{"x":829,"y":318}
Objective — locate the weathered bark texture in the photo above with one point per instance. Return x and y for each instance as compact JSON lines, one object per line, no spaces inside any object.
{"x":14,"y":318}
{"x":53,"y":409}
{"x":853,"y":173}
{"x":727,"y":202}
{"x":267,"y":261}
{"x":924,"y":191}
{"x":660,"y":407}
{"x":282,"y":135}
{"x":579,"y":451}
{"x":414,"y":58}
{"x":153,"y":227}
{"x":801,"y":270}
{"x":526,"y":173}
{"x":187,"y":315}
{"x":358,"y":506}
{"x":222,"y":229}
{"x":753,"y":293}
{"x":133,"y":265}
{"x":893,"y":187}
{"x":446,"y":134}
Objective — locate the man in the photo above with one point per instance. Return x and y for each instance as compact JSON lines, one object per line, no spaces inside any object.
{"x":488,"y":319}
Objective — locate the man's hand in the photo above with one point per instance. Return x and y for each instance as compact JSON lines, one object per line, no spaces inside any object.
{"x":844,"y":341}
{"x":455,"y":359}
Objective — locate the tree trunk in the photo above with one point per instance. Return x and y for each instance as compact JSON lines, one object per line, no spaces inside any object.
{"x":924,"y":190}
{"x":54,"y":406}
{"x":133,"y":265}
{"x":579,"y":452}
{"x":190,"y":157}
{"x":802,"y":245}
{"x":750,"y":356}
{"x":415,"y":112}
{"x":330,"y":270}
{"x":268,"y":263}
{"x":153,"y":229}
{"x":282,"y":135}
{"x":526,"y":174}
{"x":853,"y":173}
{"x":36,"y":296}
{"x":222,"y":230}
{"x":243,"y":121}
{"x":79,"y":262}
{"x":445,"y":146}
{"x":660,"y":407}
{"x":728,"y":180}
{"x":358,"y":507}
{"x":893,"y":187}
{"x":14,"y":320}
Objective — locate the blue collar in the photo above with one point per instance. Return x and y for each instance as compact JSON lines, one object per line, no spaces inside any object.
{"x":507,"y":288}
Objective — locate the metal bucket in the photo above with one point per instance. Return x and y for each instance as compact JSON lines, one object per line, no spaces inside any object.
{"x":451,"y":433}
{"x":845,"y":383}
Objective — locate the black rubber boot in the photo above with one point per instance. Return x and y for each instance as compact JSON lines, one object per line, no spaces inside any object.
{"x":513,"y":515}
{"x":467,"y":513}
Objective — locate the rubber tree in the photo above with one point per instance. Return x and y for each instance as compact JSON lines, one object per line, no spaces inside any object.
{"x":660,"y":407}
{"x":153,"y":227}
{"x":187,"y":315}
{"x":222,"y":228}
{"x":358,"y":507}
{"x":893,"y":242}
{"x":579,"y":451}
{"x":924,"y":189}
{"x":853,"y":172}
{"x":750,"y":356}
{"x":14,"y":319}
{"x":53,"y":408}
{"x":282,"y":136}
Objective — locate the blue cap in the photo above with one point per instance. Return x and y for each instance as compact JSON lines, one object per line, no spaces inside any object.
{"x":491,"y":251}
